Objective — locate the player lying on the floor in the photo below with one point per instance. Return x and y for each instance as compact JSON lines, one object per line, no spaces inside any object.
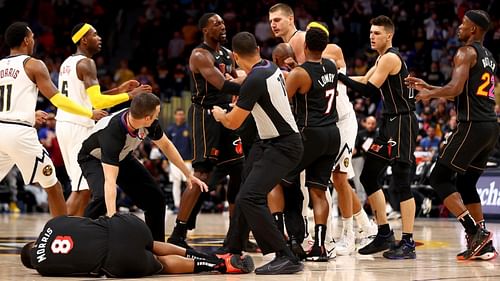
{"x":117,"y":246}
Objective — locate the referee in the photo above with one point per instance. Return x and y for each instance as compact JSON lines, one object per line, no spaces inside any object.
{"x":263,"y":94}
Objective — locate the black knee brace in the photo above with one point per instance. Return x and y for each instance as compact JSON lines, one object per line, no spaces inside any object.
{"x":401,"y":178}
{"x":441,"y":180}
{"x":466,"y":186}
{"x":372,"y":169}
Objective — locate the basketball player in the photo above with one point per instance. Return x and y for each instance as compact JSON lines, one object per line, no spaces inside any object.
{"x":21,"y":77}
{"x":282,"y":23}
{"x":120,"y":246}
{"x":394,"y":145}
{"x":262,"y":94}
{"x":467,"y":149}
{"x":106,"y":161}
{"x":212,"y":143}
{"x":312,"y":88}
{"x":78,"y":81}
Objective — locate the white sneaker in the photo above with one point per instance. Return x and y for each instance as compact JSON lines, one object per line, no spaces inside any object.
{"x":346,"y":244}
{"x":331,"y":249}
{"x":366,"y":234}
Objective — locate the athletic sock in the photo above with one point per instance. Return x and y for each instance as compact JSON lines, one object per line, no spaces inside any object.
{"x":408,"y":237}
{"x":384,"y":229}
{"x":180,"y":229}
{"x":192,"y":254}
{"x":362,"y":219}
{"x":347,"y":225}
{"x":204,"y":265}
{"x":468,"y":223}
{"x":278,"y":220}
{"x":320,"y":234}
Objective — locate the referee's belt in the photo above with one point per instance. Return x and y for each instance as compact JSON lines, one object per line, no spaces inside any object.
{"x":15,"y":123}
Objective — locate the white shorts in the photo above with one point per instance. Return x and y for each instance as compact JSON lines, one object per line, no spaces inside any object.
{"x":175,"y":174}
{"x":20,"y":146}
{"x":348,"y":128}
{"x":70,"y":137}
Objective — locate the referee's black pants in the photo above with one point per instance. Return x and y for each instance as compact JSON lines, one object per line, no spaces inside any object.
{"x":270,"y":160}
{"x":136,"y":181}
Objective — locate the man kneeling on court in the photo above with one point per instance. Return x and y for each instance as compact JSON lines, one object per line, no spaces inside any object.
{"x":120,"y":246}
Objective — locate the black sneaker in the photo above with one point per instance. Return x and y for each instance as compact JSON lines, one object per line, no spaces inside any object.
{"x":317,"y":253}
{"x":380,"y":243}
{"x":476,"y":242}
{"x":488,"y":252}
{"x":179,"y":241}
{"x":297,"y":249}
{"x":280,"y":265}
{"x":403,"y":250}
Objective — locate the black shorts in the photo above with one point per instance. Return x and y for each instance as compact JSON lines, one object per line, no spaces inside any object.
{"x":130,"y":248}
{"x":469,"y":146}
{"x":397,"y":138}
{"x":213,"y":144}
{"x":321,"y":146}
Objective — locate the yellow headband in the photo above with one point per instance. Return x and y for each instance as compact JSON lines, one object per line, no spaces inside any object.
{"x":79,"y":34}
{"x":318,"y":25}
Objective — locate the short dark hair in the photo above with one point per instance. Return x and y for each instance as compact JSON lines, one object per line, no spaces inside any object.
{"x":286,"y":9}
{"x":384,"y":21}
{"x":202,"y":23}
{"x":15,"y":34}
{"x":244,"y":44}
{"x":316,"y":39}
{"x":26,"y":254}
{"x":143,"y":105}
{"x":179,"y":109}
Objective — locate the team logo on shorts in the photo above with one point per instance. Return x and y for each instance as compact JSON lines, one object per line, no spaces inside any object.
{"x":346,"y":162}
{"x":376,"y":147}
{"x":47,"y":170}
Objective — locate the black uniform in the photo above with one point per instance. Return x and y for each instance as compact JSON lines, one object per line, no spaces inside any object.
{"x":396,"y":141}
{"x":398,"y":130}
{"x":110,"y":142}
{"x":120,"y":246}
{"x":316,"y":116}
{"x":470,"y":144}
{"x":212,"y":142}
{"x":278,"y":151}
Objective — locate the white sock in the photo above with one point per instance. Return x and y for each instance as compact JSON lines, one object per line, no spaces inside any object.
{"x":361,"y":219}
{"x":347,"y":226}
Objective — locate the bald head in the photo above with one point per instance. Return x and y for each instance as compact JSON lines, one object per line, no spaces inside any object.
{"x":281,"y":52}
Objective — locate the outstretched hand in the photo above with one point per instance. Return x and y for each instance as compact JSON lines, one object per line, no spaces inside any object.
{"x":416,"y":83}
{"x":139,"y":90}
{"x":128,"y":86}
{"x":40,"y":117}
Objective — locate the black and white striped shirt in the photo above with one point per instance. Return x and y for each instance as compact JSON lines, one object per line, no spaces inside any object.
{"x":264,"y":94}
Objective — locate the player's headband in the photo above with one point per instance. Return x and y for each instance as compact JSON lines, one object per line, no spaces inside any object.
{"x":478,"y":18}
{"x":79,"y":34}
{"x":315,"y":24}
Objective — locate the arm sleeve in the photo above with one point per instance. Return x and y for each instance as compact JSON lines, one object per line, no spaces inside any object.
{"x":100,"y":101}
{"x":367,"y":90}
{"x":70,"y":106}
{"x":249,"y":94}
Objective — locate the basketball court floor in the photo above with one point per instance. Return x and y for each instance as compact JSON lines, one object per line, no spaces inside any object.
{"x":439,"y":241}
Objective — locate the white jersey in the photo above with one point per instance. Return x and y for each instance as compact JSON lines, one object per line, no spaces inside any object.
{"x":18,"y":94}
{"x":344,"y":105}
{"x":73,"y":88}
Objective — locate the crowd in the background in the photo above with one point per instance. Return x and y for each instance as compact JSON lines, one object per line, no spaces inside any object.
{"x":150,"y":40}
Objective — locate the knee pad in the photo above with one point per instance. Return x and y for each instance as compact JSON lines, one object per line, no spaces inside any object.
{"x":466,"y":186}
{"x":369,"y":177}
{"x":441,"y":180}
{"x":401,"y":179}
